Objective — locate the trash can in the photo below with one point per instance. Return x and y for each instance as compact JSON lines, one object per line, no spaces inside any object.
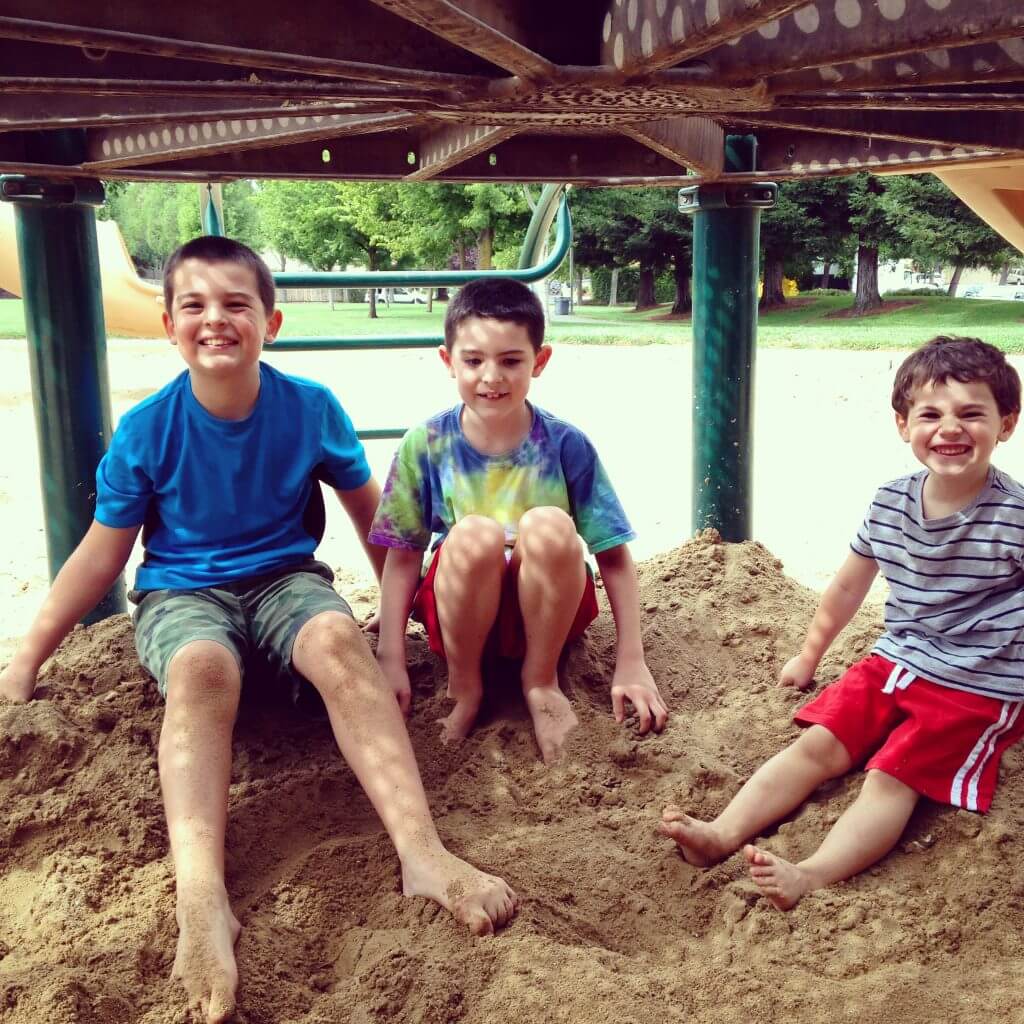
{"x":562,"y":306}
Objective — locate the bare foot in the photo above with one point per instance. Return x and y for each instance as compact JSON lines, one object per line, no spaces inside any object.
{"x":699,"y":841}
{"x":482,"y":902}
{"x":205,"y":961}
{"x":553,"y":719}
{"x":459,"y":721}
{"x":781,"y":882}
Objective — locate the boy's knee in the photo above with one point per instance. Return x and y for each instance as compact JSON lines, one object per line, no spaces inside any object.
{"x":476,"y":539}
{"x":328,"y":635}
{"x":826,"y":750}
{"x":550,"y":533}
{"x":205,"y":673}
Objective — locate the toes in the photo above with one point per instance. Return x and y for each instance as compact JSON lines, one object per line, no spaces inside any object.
{"x":222,"y":1005}
{"x":672,"y":813}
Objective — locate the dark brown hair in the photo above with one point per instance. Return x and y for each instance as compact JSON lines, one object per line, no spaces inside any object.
{"x":965,"y":360}
{"x":216,"y":249}
{"x":496,"y":298}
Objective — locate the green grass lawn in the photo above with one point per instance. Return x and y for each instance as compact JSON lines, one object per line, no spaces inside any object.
{"x":807,"y":324}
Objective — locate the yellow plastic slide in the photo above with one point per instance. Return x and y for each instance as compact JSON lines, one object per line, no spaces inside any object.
{"x":131,"y":306}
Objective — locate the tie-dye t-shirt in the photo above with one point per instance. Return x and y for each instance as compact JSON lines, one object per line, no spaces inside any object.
{"x":438,"y":478}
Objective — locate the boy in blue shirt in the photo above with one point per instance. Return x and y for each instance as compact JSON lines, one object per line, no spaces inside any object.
{"x":930,"y":711}
{"x":504,"y":492}
{"x":220,"y":470}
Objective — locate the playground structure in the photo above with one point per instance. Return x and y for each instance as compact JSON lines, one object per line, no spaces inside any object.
{"x":724,"y":97}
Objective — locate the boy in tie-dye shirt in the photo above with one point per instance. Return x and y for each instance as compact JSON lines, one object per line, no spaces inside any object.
{"x":506,"y":495}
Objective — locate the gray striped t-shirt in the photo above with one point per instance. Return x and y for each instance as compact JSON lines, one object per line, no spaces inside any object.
{"x":955,"y":611}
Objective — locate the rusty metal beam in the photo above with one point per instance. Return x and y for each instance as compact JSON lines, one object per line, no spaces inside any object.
{"x":640,"y":36}
{"x":694,"y":142}
{"x":828,"y":32}
{"x":480,"y":26}
{"x":119,"y":147}
{"x":453,"y":144}
{"x":299,"y":90}
{"x":903,"y":101}
{"x":1000,"y":131}
{"x":99,"y":40}
{"x":988,"y":63}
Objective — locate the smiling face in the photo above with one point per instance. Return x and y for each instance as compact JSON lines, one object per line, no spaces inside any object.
{"x":953,"y":427}
{"x":217,"y":319}
{"x":493,"y":362}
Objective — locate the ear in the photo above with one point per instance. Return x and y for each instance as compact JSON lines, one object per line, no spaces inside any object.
{"x":1008,"y":425}
{"x":274,"y":322}
{"x":169,"y":327}
{"x":543,"y":355}
{"x":901,"y":426}
{"x":446,"y":358}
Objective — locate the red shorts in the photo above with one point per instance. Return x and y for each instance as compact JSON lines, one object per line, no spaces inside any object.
{"x":507,"y":638}
{"x":943,"y":743}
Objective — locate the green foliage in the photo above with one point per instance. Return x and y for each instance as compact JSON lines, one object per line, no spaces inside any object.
{"x":628,"y":286}
{"x":156,"y":217}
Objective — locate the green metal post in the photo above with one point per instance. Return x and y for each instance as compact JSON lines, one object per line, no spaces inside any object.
{"x":60,"y":274}
{"x":726,"y":239}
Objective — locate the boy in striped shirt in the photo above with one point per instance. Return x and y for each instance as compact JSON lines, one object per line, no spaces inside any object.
{"x":930,"y":711}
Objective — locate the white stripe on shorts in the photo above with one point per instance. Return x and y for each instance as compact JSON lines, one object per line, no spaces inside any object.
{"x":979,"y":757}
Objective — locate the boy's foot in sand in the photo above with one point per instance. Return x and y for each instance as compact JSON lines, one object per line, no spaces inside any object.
{"x":482,"y":902}
{"x":698,"y":841}
{"x":205,"y":960}
{"x":467,"y":692}
{"x":553,"y":720}
{"x":782,"y":883}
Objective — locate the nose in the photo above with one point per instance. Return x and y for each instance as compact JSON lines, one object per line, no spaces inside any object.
{"x":214,"y":313}
{"x":950,"y":426}
{"x":492,"y":373}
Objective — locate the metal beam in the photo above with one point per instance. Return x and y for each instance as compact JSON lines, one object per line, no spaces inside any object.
{"x":694,"y":142}
{"x":902,"y":101}
{"x":1003,"y":130}
{"x":988,"y":63}
{"x":452,"y":144}
{"x":828,"y":32}
{"x":480,"y":26}
{"x":640,"y":36}
{"x":132,"y":147}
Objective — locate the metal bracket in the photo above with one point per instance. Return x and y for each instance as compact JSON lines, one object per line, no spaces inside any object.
{"x":21,"y":188}
{"x":760,"y":195}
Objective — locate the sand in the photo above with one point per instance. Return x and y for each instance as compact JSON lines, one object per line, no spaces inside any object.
{"x":613,"y":926}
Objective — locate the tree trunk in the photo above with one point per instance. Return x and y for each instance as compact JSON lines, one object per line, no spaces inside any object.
{"x":430,"y":300}
{"x":772,"y":295}
{"x":867,"y":297}
{"x":645,"y":289}
{"x":954,"y":281}
{"x":371,"y":265}
{"x":579,"y":287}
{"x":331,"y":295}
{"x":1004,"y":274}
{"x":826,"y":275}
{"x":613,"y":294}
{"x":684,"y":300}
{"x":485,"y":242}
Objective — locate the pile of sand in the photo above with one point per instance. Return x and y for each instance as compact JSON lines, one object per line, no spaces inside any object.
{"x":613,"y":927}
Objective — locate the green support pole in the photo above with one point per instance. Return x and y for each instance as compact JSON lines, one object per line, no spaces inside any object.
{"x":60,"y":274}
{"x":726,"y":240}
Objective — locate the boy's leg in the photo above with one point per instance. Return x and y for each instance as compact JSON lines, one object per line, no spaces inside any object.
{"x":467,"y":589}
{"x":331,"y":652}
{"x":775,"y":789}
{"x":551,"y":575}
{"x":868,"y":829}
{"x":203,"y":685}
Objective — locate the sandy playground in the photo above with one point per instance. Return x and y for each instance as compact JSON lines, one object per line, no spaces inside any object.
{"x":613,"y":926}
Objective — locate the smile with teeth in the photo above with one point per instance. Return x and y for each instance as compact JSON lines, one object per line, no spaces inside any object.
{"x":216,"y":342}
{"x":951,"y":449}
{"x":493,"y":394}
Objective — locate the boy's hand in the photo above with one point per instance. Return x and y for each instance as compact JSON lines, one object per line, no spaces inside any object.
{"x":16,"y":685}
{"x":372,"y":624}
{"x":398,"y":681}
{"x":637,"y":685}
{"x":798,"y":672}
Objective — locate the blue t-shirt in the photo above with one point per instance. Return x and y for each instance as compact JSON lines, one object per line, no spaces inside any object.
{"x":225,"y":499}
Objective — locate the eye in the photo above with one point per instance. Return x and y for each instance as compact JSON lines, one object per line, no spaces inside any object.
{"x":471,"y":361}
{"x":512,"y":362}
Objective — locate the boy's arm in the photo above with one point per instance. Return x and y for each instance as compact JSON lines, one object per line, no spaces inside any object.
{"x":843,"y":596}
{"x":83,"y":579}
{"x":632,"y":680}
{"x":361,"y":504}
{"x":397,"y":588}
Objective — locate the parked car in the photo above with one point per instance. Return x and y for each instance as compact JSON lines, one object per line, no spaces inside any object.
{"x":972,"y":291}
{"x":399,"y":295}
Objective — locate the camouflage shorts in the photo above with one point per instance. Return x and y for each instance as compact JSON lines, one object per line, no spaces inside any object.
{"x":254,"y":618}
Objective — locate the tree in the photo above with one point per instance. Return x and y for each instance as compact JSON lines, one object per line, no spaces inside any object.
{"x":871,"y":222}
{"x":156,"y":217}
{"x":791,"y":236}
{"x":939,"y":230}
